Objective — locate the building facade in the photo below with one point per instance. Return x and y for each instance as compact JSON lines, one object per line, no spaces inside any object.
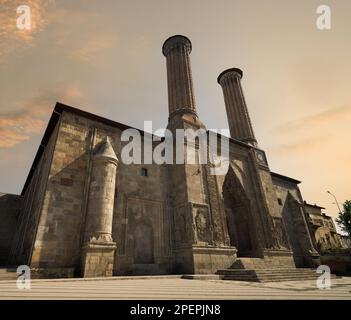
{"x":84,"y":212}
{"x":323,"y":229}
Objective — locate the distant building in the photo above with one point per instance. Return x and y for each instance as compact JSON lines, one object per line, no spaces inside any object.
{"x":345,"y":241}
{"x":323,"y":229}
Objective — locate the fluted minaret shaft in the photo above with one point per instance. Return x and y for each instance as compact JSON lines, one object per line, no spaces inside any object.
{"x":238,"y":116}
{"x":181,"y":99}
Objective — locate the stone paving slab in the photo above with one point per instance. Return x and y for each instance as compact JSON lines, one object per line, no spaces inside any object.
{"x":175,"y":288}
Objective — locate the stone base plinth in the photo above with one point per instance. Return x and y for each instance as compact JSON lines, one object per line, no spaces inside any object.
{"x":203,"y":259}
{"x":279,"y":258}
{"x":97,"y":259}
{"x":52,"y":273}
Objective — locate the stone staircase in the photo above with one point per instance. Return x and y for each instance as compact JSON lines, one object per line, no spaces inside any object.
{"x":249,"y":263}
{"x":257,"y":270}
{"x":8,"y":273}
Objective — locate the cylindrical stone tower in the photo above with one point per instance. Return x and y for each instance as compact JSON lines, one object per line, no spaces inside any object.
{"x":99,"y":248}
{"x":181,"y":99}
{"x":102,"y":193}
{"x":238,"y":116}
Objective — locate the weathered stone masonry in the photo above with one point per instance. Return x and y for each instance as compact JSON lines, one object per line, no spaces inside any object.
{"x":83,"y":212}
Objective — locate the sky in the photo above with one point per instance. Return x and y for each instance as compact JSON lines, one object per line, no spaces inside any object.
{"x":104,"y":56}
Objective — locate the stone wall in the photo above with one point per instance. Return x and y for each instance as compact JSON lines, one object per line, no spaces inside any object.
{"x":28,"y":220}
{"x":142,"y":219}
{"x":140,"y":210}
{"x":290,"y":203}
{"x":10,"y":205}
{"x":166,"y":218}
{"x":57,"y":238}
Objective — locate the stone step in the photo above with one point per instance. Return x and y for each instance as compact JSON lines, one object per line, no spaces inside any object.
{"x":8,"y":277}
{"x":267,"y":275}
{"x":275,"y":275}
{"x":8,"y":273}
{"x":2,"y":271}
{"x":202,"y":276}
{"x":270,"y":270}
{"x":252,"y":263}
{"x":229,"y":278}
{"x":230,"y":271}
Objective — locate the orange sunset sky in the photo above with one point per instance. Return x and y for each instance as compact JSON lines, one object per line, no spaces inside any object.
{"x":104,"y":56}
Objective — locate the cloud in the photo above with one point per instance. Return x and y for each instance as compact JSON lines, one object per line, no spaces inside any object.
{"x":301,"y":146}
{"x":311,"y":132}
{"x":20,"y":126}
{"x":13,"y":40}
{"x":326,"y":117}
{"x":82,"y":35}
{"x":88,"y":50}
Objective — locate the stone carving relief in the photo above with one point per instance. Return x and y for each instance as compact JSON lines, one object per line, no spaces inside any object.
{"x":280,"y":240}
{"x":144,"y":234}
{"x":192,"y":224}
{"x":101,"y":238}
{"x":182,"y":230}
{"x":202,"y":225}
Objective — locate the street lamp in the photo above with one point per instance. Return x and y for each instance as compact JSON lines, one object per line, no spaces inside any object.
{"x":336,"y":201}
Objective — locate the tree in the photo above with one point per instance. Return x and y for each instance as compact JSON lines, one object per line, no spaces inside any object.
{"x":344,"y":219}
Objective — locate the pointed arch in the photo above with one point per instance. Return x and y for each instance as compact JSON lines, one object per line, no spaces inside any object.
{"x":241,"y":228}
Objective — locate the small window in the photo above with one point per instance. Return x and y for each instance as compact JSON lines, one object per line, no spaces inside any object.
{"x":143,"y":172}
{"x":280,"y":201}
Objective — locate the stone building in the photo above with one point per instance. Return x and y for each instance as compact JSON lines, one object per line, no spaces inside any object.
{"x":83,"y":212}
{"x":323,"y":229}
{"x":345,"y":241}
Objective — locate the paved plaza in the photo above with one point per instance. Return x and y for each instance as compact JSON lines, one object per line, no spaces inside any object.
{"x":173,"y":287}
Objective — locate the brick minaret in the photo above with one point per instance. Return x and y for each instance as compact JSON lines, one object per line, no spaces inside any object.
{"x":238,"y":117}
{"x":181,"y":99}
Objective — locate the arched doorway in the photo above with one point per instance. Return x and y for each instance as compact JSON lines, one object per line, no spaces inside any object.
{"x":143,"y":244}
{"x":238,"y":214}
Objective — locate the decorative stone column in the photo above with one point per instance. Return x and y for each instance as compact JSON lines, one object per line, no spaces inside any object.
{"x":198,"y":245}
{"x":238,"y":116}
{"x":99,"y":248}
{"x":176,"y":49}
{"x":181,"y":101}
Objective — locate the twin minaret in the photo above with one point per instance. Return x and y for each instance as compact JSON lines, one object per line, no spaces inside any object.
{"x":180,"y":83}
{"x":99,"y":247}
{"x":181,"y":99}
{"x":238,"y":116}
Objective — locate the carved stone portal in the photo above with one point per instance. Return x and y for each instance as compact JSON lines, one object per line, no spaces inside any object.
{"x":239,"y":217}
